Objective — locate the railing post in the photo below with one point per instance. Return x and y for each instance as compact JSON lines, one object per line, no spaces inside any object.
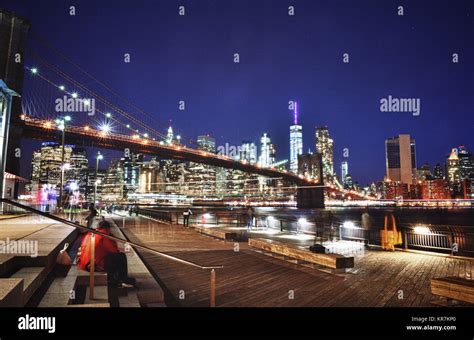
{"x":92,"y":268}
{"x":451,"y":243}
{"x":405,"y":239}
{"x":281,"y":226}
{"x":213,"y":288}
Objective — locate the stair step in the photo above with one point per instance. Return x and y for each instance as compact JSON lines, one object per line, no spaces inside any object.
{"x":50,"y":240}
{"x":59,"y":292}
{"x":101,"y":295}
{"x":33,"y":279}
{"x":129,"y":300}
{"x":7,"y":264}
{"x":92,"y":305}
{"x":11,"y":292}
{"x":83,"y":278}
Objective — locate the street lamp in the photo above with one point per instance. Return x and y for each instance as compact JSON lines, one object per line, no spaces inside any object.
{"x":99,"y":157}
{"x":105,"y":128}
{"x":61,"y":123}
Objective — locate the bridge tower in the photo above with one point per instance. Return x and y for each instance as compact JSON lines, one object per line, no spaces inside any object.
{"x":311,"y":196}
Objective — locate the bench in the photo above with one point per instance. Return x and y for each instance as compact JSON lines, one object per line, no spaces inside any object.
{"x":455,"y":288}
{"x":333,"y":261}
{"x":214,"y":232}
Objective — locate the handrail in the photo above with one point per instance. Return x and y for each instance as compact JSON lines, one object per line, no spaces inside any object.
{"x":76,"y":225}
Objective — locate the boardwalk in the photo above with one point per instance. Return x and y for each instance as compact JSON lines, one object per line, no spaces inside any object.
{"x":251,"y":279}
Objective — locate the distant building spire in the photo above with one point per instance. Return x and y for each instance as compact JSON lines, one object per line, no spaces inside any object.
{"x":296,"y":113}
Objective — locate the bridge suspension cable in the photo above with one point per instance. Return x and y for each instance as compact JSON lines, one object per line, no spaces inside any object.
{"x":143,"y":125}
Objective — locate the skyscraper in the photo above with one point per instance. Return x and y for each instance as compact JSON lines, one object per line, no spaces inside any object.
{"x":112,"y":188}
{"x":169,"y":135}
{"x":452,"y":167}
{"x":466,"y":163}
{"x":438,"y":172}
{"x":325,"y":146}
{"x":46,"y":167}
{"x":206,"y":143}
{"x":344,"y":170}
{"x":77,"y":172}
{"x":296,"y":141}
{"x":267,"y":151}
{"x":347,"y":182}
{"x":150,"y":177}
{"x":423,"y":172}
{"x":400,"y":159}
{"x":201,"y":178}
{"x":248,"y":152}
{"x":131,"y":172}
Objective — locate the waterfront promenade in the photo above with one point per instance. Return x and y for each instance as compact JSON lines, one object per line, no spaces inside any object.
{"x":253,"y":279}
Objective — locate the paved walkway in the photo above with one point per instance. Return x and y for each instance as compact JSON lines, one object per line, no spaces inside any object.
{"x":19,"y":227}
{"x":253,"y":279}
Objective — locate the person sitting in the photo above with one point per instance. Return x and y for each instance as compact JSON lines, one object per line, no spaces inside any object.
{"x":108,"y":258}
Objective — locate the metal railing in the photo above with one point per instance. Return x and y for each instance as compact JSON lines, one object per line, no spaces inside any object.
{"x":439,"y":241}
{"x":117,"y":239}
{"x":441,"y":238}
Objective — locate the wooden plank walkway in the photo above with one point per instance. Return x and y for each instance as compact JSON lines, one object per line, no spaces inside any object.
{"x":252,"y":279}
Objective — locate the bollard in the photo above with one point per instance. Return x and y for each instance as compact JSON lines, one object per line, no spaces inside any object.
{"x":91,"y":269}
{"x":213,"y":288}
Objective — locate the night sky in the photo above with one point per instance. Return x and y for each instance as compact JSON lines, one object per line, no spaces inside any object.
{"x":282,"y":58}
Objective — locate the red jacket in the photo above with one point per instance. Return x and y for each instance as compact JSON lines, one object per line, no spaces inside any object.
{"x":103,"y":246}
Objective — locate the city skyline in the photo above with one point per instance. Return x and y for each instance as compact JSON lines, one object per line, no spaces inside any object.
{"x":254,"y":97}
{"x":302,"y":154}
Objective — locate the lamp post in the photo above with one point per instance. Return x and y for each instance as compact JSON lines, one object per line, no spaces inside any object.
{"x":62,"y":126}
{"x":99,"y":157}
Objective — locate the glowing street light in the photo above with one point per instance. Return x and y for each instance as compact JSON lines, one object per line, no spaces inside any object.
{"x":301,"y":222}
{"x":422,"y":230}
{"x":34,"y":70}
{"x":74,"y":95}
{"x":73,"y":186}
{"x":105,"y":128}
{"x":348,"y":225}
{"x":62,"y":87}
{"x":108,"y":115}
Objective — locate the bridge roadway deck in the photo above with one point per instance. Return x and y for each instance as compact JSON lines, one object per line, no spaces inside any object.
{"x":252,"y":279}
